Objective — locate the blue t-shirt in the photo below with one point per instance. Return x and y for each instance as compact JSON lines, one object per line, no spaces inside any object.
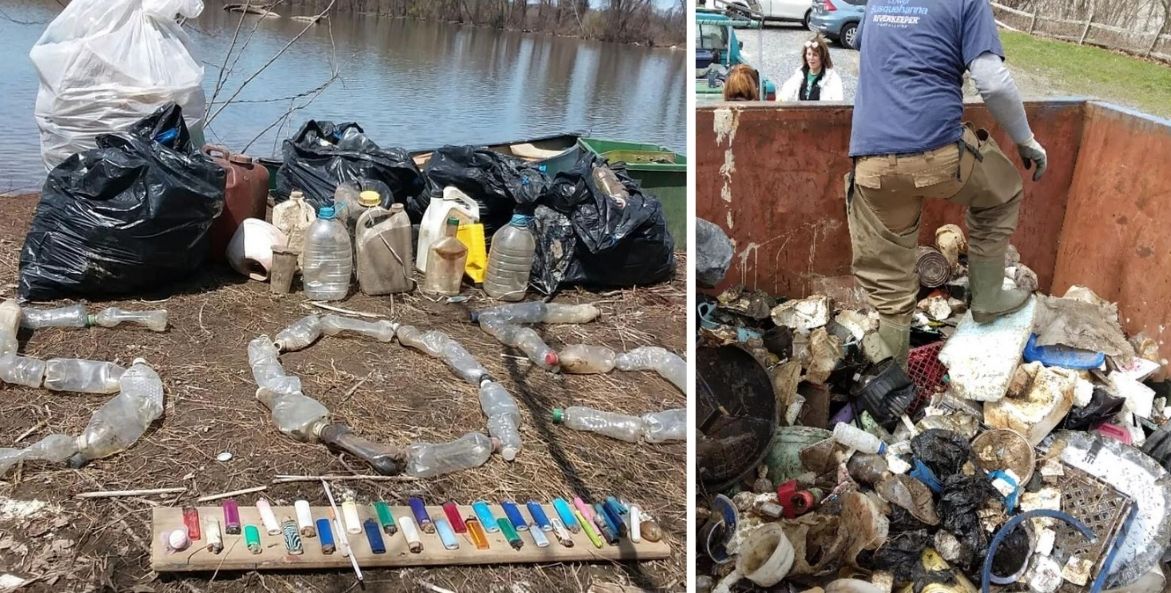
{"x":910,"y":84}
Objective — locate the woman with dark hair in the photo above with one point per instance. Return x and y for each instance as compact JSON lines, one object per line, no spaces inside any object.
{"x":742,"y":84}
{"x":815,"y":80}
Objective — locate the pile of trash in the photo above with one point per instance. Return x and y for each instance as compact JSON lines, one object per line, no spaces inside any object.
{"x":1030,"y":452}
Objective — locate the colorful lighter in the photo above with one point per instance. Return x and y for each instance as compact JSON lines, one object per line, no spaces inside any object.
{"x":252,"y":538}
{"x":304,"y":518}
{"x":292,"y":536}
{"x":232,"y":518}
{"x":374,"y":536}
{"x":446,"y":535}
{"x":267,"y":517}
{"x":588,"y":529}
{"x":421,"y":516}
{"x":586,"y":510}
{"x":614,"y":516}
{"x":385,"y":518}
{"x":605,"y":527}
{"x":539,"y":538}
{"x":484,"y":514}
{"x":215,"y":540}
{"x":509,"y":533}
{"x":350,"y":514}
{"x":326,"y":535}
{"x":343,"y":544}
{"x":618,"y":506}
{"x":538,"y":514}
{"x":562,"y":533}
{"x":635,"y":527}
{"x":566,"y":514}
{"x":191,"y":521}
{"x":411,"y":534}
{"x":452,"y":511}
{"x":513,"y":513}
{"x":476,"y":532}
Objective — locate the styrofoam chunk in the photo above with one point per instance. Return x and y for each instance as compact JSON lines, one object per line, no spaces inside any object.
{"x":981,"y":357}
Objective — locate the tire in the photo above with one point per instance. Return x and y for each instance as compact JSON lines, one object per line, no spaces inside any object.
{"x":805,"y":20}
{"x":849,"y":36}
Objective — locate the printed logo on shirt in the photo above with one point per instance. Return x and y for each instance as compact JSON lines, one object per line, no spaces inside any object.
{"x":898,"y":14}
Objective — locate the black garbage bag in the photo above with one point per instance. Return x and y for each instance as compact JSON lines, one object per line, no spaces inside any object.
{"x":322,"y":156}
{"x":943,"y":451}
{"x":1101,"y":408}
{"x":617,"y":243}
{"x":902,"y":554}
{"x":497,"y":182}
{"x":962,"y":497}
{"x":128,"y":216}
{"x":713,"y":253}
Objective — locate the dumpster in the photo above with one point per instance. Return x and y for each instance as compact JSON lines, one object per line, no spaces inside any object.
{"x":661,"y":172}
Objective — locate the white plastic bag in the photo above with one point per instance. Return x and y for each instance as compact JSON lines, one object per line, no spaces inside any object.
{"x":105,"y":64}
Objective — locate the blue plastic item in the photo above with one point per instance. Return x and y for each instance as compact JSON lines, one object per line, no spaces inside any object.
{"x":446,"y":535}
{"x":374,"y":536}
{"x":1062,"y":356}
{"x":1010,"y":500}
{"x":538,"y":514}
{"x":484,"y":514}
{"x":924,"y":474}
{"x":566,"y":514}
{"x":513,"y":513}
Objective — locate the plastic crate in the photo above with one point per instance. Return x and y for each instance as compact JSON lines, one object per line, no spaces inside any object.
{"x":925,"y":370}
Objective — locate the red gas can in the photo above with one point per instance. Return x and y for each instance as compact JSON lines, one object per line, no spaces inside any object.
{"x":245,"y":195}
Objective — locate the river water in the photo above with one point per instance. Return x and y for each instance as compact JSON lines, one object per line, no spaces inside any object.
{"x":409,"y":84}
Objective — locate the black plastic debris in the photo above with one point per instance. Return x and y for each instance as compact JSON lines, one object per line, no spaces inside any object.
{"x":498,"y":183}
{"x":943,"y":451}
{"x":902,"y":555}
{"x":1102,"y":407}
{"x":963,"y":496}
{"x":886,"y":392}
{"x":713,"y":253}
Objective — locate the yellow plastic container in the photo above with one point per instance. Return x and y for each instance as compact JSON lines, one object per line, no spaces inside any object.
{"x":472,"y":236}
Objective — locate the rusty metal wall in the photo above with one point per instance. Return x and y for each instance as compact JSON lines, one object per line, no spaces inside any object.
{"x":772,"y":177}
{"x":1117,"y":235}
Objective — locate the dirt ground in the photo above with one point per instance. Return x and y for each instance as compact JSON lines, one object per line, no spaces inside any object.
{"x":385,"y":392}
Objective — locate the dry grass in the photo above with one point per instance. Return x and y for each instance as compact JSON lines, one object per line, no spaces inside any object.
{"x":385,"y":392}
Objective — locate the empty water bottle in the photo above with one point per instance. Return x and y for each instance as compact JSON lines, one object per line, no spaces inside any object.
{"x":441,"y":346}
{"x":55,"y":448}
{"x":9,"y":325}
{"x":654,"y":358}
{"x":668,"y":425}
{"x":511,"y":260}
{"x":300,"y":335}
{"x":584,"y":359}
{"x":122,"y":420}
{"x":538,"y":312}
{"x":524,"y":338}
{"x":82,"y":376}
{"x":425,"y":460}
{"x":155,"y":321}
{"x":268,"y":372}
{"x":329,"y":259}
{"x":852,"y":437}
{"x":503,"y":417}
{"x":616,"y":426}
{"x":22,"y":370}
{"x":383,"y":330}
{"x":71,"y":316}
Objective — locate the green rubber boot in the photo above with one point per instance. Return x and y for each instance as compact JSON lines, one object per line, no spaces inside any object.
{"x":896,"y":337}
{"x":989,"y":299}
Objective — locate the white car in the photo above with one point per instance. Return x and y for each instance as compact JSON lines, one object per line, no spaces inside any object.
{"x":793,"y":11}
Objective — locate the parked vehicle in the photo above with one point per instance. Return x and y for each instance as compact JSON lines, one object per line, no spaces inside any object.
{"x":838,"y":20}
{"x":717,"y":49}
{"x":784,"y":11}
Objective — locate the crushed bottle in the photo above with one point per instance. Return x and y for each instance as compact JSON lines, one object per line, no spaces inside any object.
{"x":270,"y":376}
{"x":71,"y":316}
{"x":654,"y":358}
{"x":82,"y":376}
{"x":155,"y":321}
{"x":22,"y":370}
{"x":294,"y":413}
{"x":584,"y":359}
{"x":55,"y":448}
{"x":383,"y":330}
{"x":425,"y":460}
{"x":9,"y":325}
{"x":616,"y":426}
{"x":440,"y":345}
{"x":119,"y":423}
{"x":668,"y":425}
{"x":503,"y":417}
{"x":300,"y":335}
{"x":538,"y":312}
{"x":524,"y":338}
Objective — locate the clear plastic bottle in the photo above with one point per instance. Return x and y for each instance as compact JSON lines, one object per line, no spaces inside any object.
{"x":668,"y":425}
{"x":524,"y":338}
{"x":268,"y":372}
{"x":383,"y":330}
{"x":616,"y":426}
{"x":300,"y":335}
{"x":9,"y":325}
{"x":425,"y":460}
{"x":55,"y":448}
{"x":606,"y":180}
{"x":511,"y":260}
{"x":82,"y":376}
{"x":118,"y":424}
{"x":297,"y":415}
{"x":155,"y":321}
{"x":445,"y":262}
{"x":539,"y":312}
{"x":383,"y":251}
{"x":293,"y":217}
{"x":441,"y":346}
{"x":852,"y":437}
{"x":585,"y":359}
{"x":329,"y":259}
{"x":503,"y":417}
{"x":22,"y":370}
{"x":654,"y":358}
{"x":71,"y":316}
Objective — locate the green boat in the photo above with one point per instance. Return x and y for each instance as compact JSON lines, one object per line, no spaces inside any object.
{"x":660,"y":171}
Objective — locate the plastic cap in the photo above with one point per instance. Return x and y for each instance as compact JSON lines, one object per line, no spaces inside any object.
{"x":396,"y":208}
{"x":558,"y":415}
{"x":521,"y":220}
{"x":552,"y":359}
{"x":369,"y":198}
{"x":453,"y":221}
{"x":325,"y":213}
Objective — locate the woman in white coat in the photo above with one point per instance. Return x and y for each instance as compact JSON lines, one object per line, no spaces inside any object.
{"x":815,"y":80}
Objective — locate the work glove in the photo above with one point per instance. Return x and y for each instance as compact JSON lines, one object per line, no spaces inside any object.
{"x":1032,"y":152}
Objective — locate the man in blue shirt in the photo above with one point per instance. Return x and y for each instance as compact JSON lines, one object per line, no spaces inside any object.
{"x":908,"y":143}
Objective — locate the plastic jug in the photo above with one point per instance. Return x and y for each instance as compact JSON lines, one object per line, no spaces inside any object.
{"x":245,"y":195}
{"x":454,"y":203}
{"x":329,"y":259}
{"x":445,"y":265}
{"x":472,"y":236}
{"x":293,"y":217}
{"x":511,"y":260}
{"x":347,"y":205}
{"x":383,"y":239}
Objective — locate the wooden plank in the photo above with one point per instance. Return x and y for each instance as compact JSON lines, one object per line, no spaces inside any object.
{"x":1008,"y":9}
{"x":273,"y":555}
